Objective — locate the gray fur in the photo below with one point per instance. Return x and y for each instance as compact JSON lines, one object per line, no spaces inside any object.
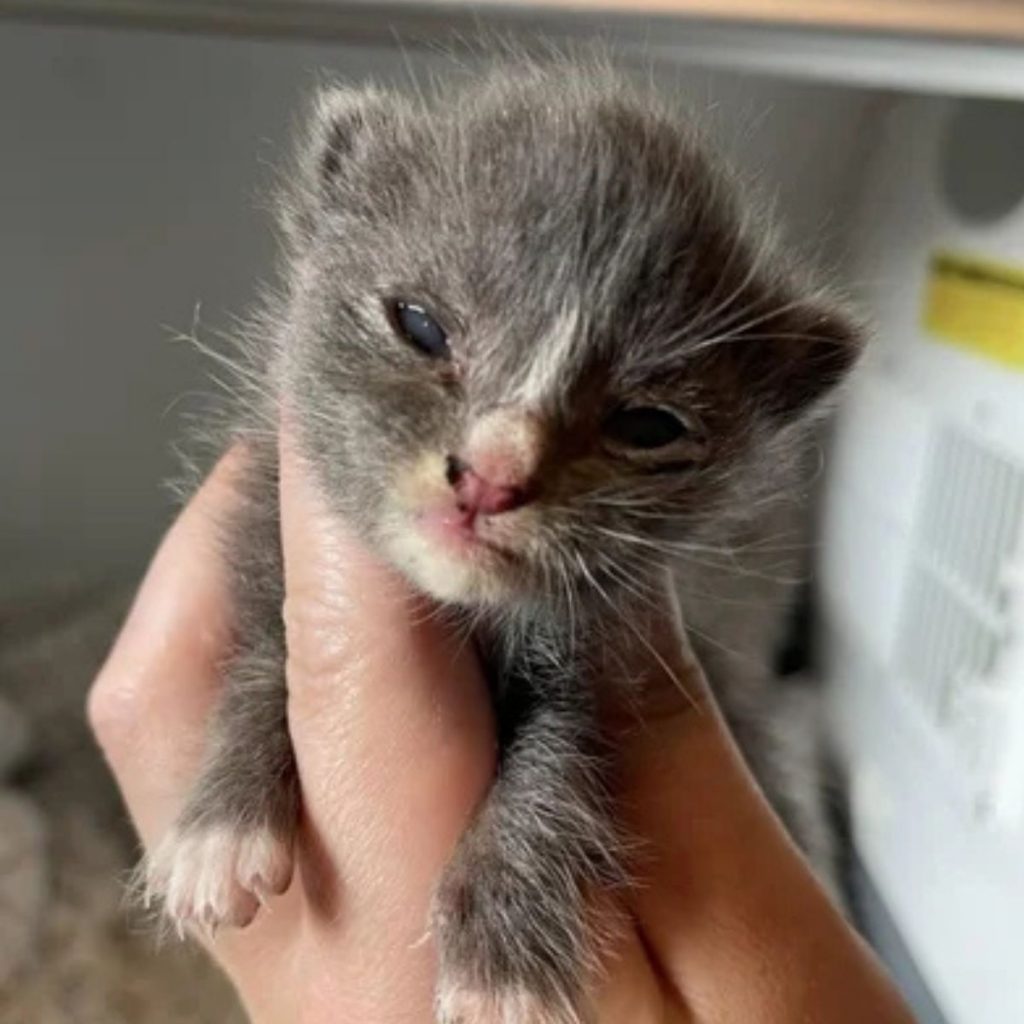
{"x":546,"y":198}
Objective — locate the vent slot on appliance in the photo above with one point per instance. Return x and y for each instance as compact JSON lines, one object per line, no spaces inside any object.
{"x":954,"y":624}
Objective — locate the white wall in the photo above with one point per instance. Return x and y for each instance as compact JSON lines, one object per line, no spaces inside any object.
{"x":130,"y":170}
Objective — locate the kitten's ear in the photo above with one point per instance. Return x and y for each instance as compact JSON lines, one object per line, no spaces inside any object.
{"x":798,"y":357}
{"x":343,"y":121}
{"x":339,"y":130}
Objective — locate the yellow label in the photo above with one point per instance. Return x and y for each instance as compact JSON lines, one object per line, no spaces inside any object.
{"x":978,"y":305}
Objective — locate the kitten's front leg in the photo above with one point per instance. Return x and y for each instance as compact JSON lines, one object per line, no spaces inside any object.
{"x":517,"y":916}
{"x":231,"y":846}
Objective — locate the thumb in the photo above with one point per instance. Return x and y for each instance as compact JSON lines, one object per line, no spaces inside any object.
{"x":392,"y":730}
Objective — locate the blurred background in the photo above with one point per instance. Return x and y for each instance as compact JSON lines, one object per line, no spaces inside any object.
{"x":139,"y":139}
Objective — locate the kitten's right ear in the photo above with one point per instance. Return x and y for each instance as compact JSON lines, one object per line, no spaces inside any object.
{"x":339,"y":129}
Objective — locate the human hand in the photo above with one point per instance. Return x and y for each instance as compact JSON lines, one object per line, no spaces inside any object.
{"x":395,"y":747}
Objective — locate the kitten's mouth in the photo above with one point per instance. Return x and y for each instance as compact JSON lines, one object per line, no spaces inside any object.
{"x":455,"y":550}
{"x":459,"y":558}
{"x":462,"y":532}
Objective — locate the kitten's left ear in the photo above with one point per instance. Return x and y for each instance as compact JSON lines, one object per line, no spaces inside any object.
{"x":345,"y":122}
{"x":341,"y":129}
{"x":798,"y":357}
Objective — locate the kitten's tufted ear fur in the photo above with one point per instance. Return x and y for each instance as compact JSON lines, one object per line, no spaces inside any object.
{"x":342,"y":124}
{"x":797,"y":358}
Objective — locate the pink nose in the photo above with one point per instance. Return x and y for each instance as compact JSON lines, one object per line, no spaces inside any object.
{"x":477,"y":495}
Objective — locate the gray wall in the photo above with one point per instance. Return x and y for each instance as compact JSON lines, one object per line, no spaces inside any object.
{"x":130,"y":173}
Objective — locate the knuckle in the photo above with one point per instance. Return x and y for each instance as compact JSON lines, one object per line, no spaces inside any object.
{"x":115,"y":709}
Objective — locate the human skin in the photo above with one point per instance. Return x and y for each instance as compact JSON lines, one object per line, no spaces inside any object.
{"x":394,"y":740}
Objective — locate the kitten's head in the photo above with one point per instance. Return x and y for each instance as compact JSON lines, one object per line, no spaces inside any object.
{"x":534,"y":340}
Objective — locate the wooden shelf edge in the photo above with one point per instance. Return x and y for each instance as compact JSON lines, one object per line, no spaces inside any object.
{"x":870,"y":44}
{"x":1000,"y":21}
{"x":995,"y":20}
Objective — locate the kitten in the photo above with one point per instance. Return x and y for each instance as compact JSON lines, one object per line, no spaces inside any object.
{"x":536,"y":347}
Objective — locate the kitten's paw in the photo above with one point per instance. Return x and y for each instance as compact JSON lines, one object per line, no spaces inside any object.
{"x":509,"y":955}
{"x":214,"y":876}
{"x":457,"y":1004}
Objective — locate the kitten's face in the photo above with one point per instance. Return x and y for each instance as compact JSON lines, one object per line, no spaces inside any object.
{"x":531,"y":348}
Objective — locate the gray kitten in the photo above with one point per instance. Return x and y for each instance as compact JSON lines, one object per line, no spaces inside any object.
{"x":536,"y":348}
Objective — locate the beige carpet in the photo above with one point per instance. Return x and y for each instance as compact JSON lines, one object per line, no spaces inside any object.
{"x":68,"y":952}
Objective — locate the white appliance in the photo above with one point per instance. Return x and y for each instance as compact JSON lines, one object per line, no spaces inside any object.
{"x":922,"y":568}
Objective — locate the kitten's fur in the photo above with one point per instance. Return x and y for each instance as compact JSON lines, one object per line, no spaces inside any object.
{"x":584,"y":249}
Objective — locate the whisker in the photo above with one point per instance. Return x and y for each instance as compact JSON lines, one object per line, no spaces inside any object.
{"x":627,"y":621}
{"x":735,"y":333}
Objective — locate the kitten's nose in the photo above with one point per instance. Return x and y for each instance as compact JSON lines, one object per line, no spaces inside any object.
{"x":498,"y":468}
{"x":477,"y":495}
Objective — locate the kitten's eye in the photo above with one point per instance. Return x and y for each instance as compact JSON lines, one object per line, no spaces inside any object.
{"x":416,"y":326}
{"x":645,"y":427}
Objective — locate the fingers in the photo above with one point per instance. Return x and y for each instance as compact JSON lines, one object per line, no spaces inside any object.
{"x":726,"y":907}
{"x":393,"y":737}
{"x":151,"y":701}
{"x":704,"y":826}
{"x":395,"y":745}
{"x":632,"y":989}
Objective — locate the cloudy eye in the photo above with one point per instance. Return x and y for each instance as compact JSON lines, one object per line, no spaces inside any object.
{"x":414,"y":324}
{"x":646,"y":427}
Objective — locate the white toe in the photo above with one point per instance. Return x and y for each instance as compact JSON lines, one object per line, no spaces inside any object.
{"x":217,"y":876}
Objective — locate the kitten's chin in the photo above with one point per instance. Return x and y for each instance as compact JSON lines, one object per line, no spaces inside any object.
{"x":468,"y":575}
